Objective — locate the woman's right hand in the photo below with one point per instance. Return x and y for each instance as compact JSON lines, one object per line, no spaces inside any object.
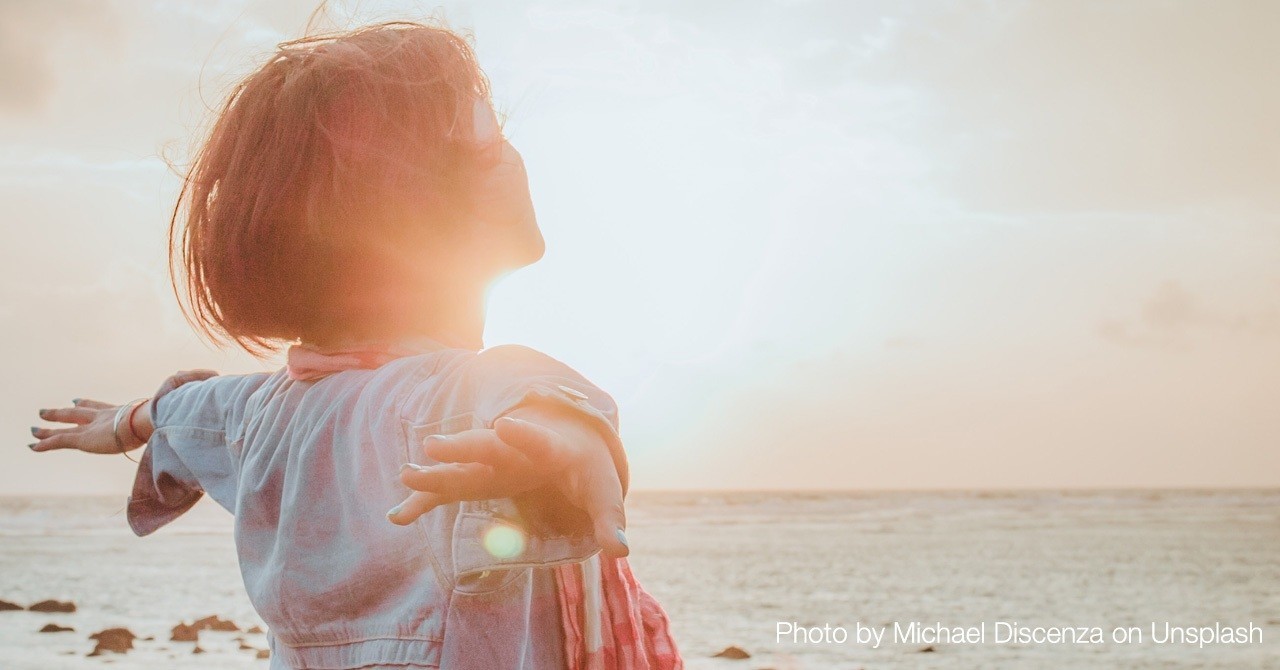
{"x":94,"y":420}
{"x":91,"y":431}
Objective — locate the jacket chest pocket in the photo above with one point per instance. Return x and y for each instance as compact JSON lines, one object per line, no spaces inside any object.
{"x":419,"y":432}
{"x":471,"y":522}
{"x":491,"y":544}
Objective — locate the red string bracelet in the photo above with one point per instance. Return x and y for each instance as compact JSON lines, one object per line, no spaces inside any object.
{"x":134,"y":431}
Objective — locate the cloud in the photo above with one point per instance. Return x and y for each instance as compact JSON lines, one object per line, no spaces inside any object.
{"x":31,"y":33}
{"x":1047,"y":108}
{"x":1172,"y":314}
{"x":1059,"y":106}
{"x":901,"y":342}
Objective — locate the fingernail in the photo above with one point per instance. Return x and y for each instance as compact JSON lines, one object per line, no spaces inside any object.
{"x":622,"y":537}
{"x":34,"y":431}
{"x":75,"y":401}
{"x":32,"y":446}
{"x":44,"y":412}
{"x":395,"y":510}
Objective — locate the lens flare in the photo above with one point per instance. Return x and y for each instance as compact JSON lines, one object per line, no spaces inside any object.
{"x":503,"y":541}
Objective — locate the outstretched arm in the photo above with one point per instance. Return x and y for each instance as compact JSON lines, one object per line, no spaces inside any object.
{"x":102,"y":428}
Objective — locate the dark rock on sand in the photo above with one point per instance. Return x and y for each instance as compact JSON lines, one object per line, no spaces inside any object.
{"x":118,"y":640}
{"x":732,"y":653}
{"x":184,"y":633}
{"x":53,"y":606}
{"x":254,"y":629}
{"x":263,"y":653}
{"x":55,"y":628}
{"x":214,"y":622}
{"x":197,"y":650}
{"x":927,"y":650}
{"x":6,"y":606}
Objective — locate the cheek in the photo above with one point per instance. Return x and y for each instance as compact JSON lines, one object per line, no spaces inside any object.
{"x":505,"y":211}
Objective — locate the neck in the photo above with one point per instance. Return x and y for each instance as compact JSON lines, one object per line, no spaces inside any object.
{"x":453,"y":317}
{"x":460,"y":325}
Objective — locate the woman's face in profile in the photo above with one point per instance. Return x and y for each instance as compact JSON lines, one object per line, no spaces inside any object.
{"x":514,"y":215}
{"x":500,"y":231}
{"x":503,"y":217}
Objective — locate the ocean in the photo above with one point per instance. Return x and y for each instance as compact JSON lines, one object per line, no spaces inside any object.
{"x":1041,"y":579}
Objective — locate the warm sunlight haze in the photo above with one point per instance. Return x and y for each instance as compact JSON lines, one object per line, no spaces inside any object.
{"x":809,"y":246}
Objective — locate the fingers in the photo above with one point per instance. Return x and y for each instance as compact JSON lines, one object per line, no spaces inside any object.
{"x":539,"y":444}
{"x":461,"y":481}
{"x":602,"y":501}
{"x":60,"y":439}
{"x":475,"y":446}
{"x":45,"y":433}
{"x":183,"y":377}
{"x":91,"y":404}
{"x":50,"y":439}
{"x":417,"y":504}
{"x":79,"y":415}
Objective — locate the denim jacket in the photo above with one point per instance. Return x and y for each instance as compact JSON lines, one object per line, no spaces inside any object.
{"x":309,"y":470}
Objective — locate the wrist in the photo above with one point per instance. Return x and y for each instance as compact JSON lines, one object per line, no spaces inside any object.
{"x":128,"y":429}
{"x":549,"y":511}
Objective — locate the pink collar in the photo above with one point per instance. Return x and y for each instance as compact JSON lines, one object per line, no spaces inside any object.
{"x":306,"y":362}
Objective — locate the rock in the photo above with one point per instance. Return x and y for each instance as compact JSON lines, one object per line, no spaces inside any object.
{"x":927,"y":650}
{"x":184,"y":633}
{"x":732,"y":653}
{"x":254,"y":629}
{"x":6,"y":606}
{"x":55,"y":628}
{"x":213,"y":622}
{"x":53,"y":606}
{"x":118,"y":640}
{"x":149,"y":638}
{"x":263,"y":653}
{"x":197,"y":650}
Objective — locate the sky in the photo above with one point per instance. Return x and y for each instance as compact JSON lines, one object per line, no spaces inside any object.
{"x":805,"y":245}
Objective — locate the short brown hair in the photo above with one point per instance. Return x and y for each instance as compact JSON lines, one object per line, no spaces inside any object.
{"x":334,"y":149}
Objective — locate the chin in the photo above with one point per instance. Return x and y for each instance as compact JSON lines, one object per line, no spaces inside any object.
{"x":537,"y":251}
{"x":533,"y":247}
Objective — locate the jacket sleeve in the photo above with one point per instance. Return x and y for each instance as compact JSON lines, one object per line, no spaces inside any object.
{"x":511,"y":376}
{"x":189,"y":454}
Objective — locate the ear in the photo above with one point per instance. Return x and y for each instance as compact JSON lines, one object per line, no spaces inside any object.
{"x":485,"y":122}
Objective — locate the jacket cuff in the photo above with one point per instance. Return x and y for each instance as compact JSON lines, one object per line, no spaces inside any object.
{"x":562,"y":395}
{"x":155,"y":501}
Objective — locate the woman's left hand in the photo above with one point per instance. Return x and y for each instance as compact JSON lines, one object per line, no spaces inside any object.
{"x":542,"y":459}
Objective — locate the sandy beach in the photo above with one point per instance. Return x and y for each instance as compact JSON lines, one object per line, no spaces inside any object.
{"x":731,"y":568}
